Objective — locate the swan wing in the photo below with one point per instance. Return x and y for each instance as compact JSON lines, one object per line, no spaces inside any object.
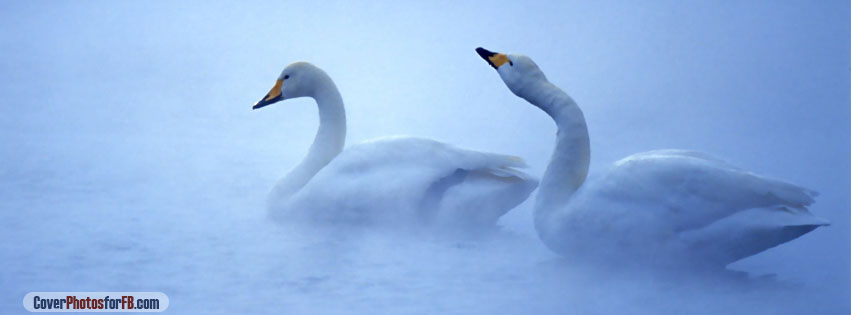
{"x":403,"y":178}
{"x":693,"y":190}
{"x":715,"y":211}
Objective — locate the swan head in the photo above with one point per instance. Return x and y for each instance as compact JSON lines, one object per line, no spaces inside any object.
{"x":518,"y":72}
{"x":296,"y":80}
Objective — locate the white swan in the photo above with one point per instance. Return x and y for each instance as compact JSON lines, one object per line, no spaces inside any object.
{"x":657,"y":207}
{"x":390,"y":180}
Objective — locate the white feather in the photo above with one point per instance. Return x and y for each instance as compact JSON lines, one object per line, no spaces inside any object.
{"x":392,"y":180}
{"x":657,"y":207}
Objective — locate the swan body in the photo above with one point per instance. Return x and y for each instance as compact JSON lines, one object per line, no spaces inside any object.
{"x":658,"y":207}
{"x":391,"y":180}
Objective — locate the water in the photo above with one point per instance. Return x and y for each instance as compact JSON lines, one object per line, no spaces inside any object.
{"x":193,"y":226}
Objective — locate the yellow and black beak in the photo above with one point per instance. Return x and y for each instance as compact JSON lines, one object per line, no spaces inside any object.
{"x":272,"y":97}
{"x":496,"y":60}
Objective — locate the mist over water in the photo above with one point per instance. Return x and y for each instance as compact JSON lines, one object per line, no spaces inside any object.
{"x":131,"y":160}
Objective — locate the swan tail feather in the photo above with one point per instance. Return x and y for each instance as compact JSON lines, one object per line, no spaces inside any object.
{"x":487,"y":190}
{"x":506,"y":168}
{"x":750,"y":232}
{"x":484,"y":196}
{"x":789,"y":194}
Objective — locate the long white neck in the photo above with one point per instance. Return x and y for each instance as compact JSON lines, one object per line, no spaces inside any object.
{"x":572,"y":154}
{"x":328,"y":143}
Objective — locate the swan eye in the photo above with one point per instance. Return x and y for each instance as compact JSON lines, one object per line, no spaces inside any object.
{"x":286,"y":77}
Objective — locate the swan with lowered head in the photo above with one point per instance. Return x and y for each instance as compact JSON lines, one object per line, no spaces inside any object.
{"x":390,"y":180}
{"x":658,"y":207}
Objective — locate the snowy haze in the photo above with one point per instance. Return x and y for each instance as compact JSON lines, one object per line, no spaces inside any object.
{"x":131,"y":160}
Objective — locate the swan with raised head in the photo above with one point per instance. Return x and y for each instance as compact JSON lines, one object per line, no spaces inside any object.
{"x":390,"y":180}
{"x":658,"y":207}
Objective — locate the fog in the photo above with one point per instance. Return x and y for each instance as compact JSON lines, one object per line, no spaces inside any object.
{"x":131,"y":159}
